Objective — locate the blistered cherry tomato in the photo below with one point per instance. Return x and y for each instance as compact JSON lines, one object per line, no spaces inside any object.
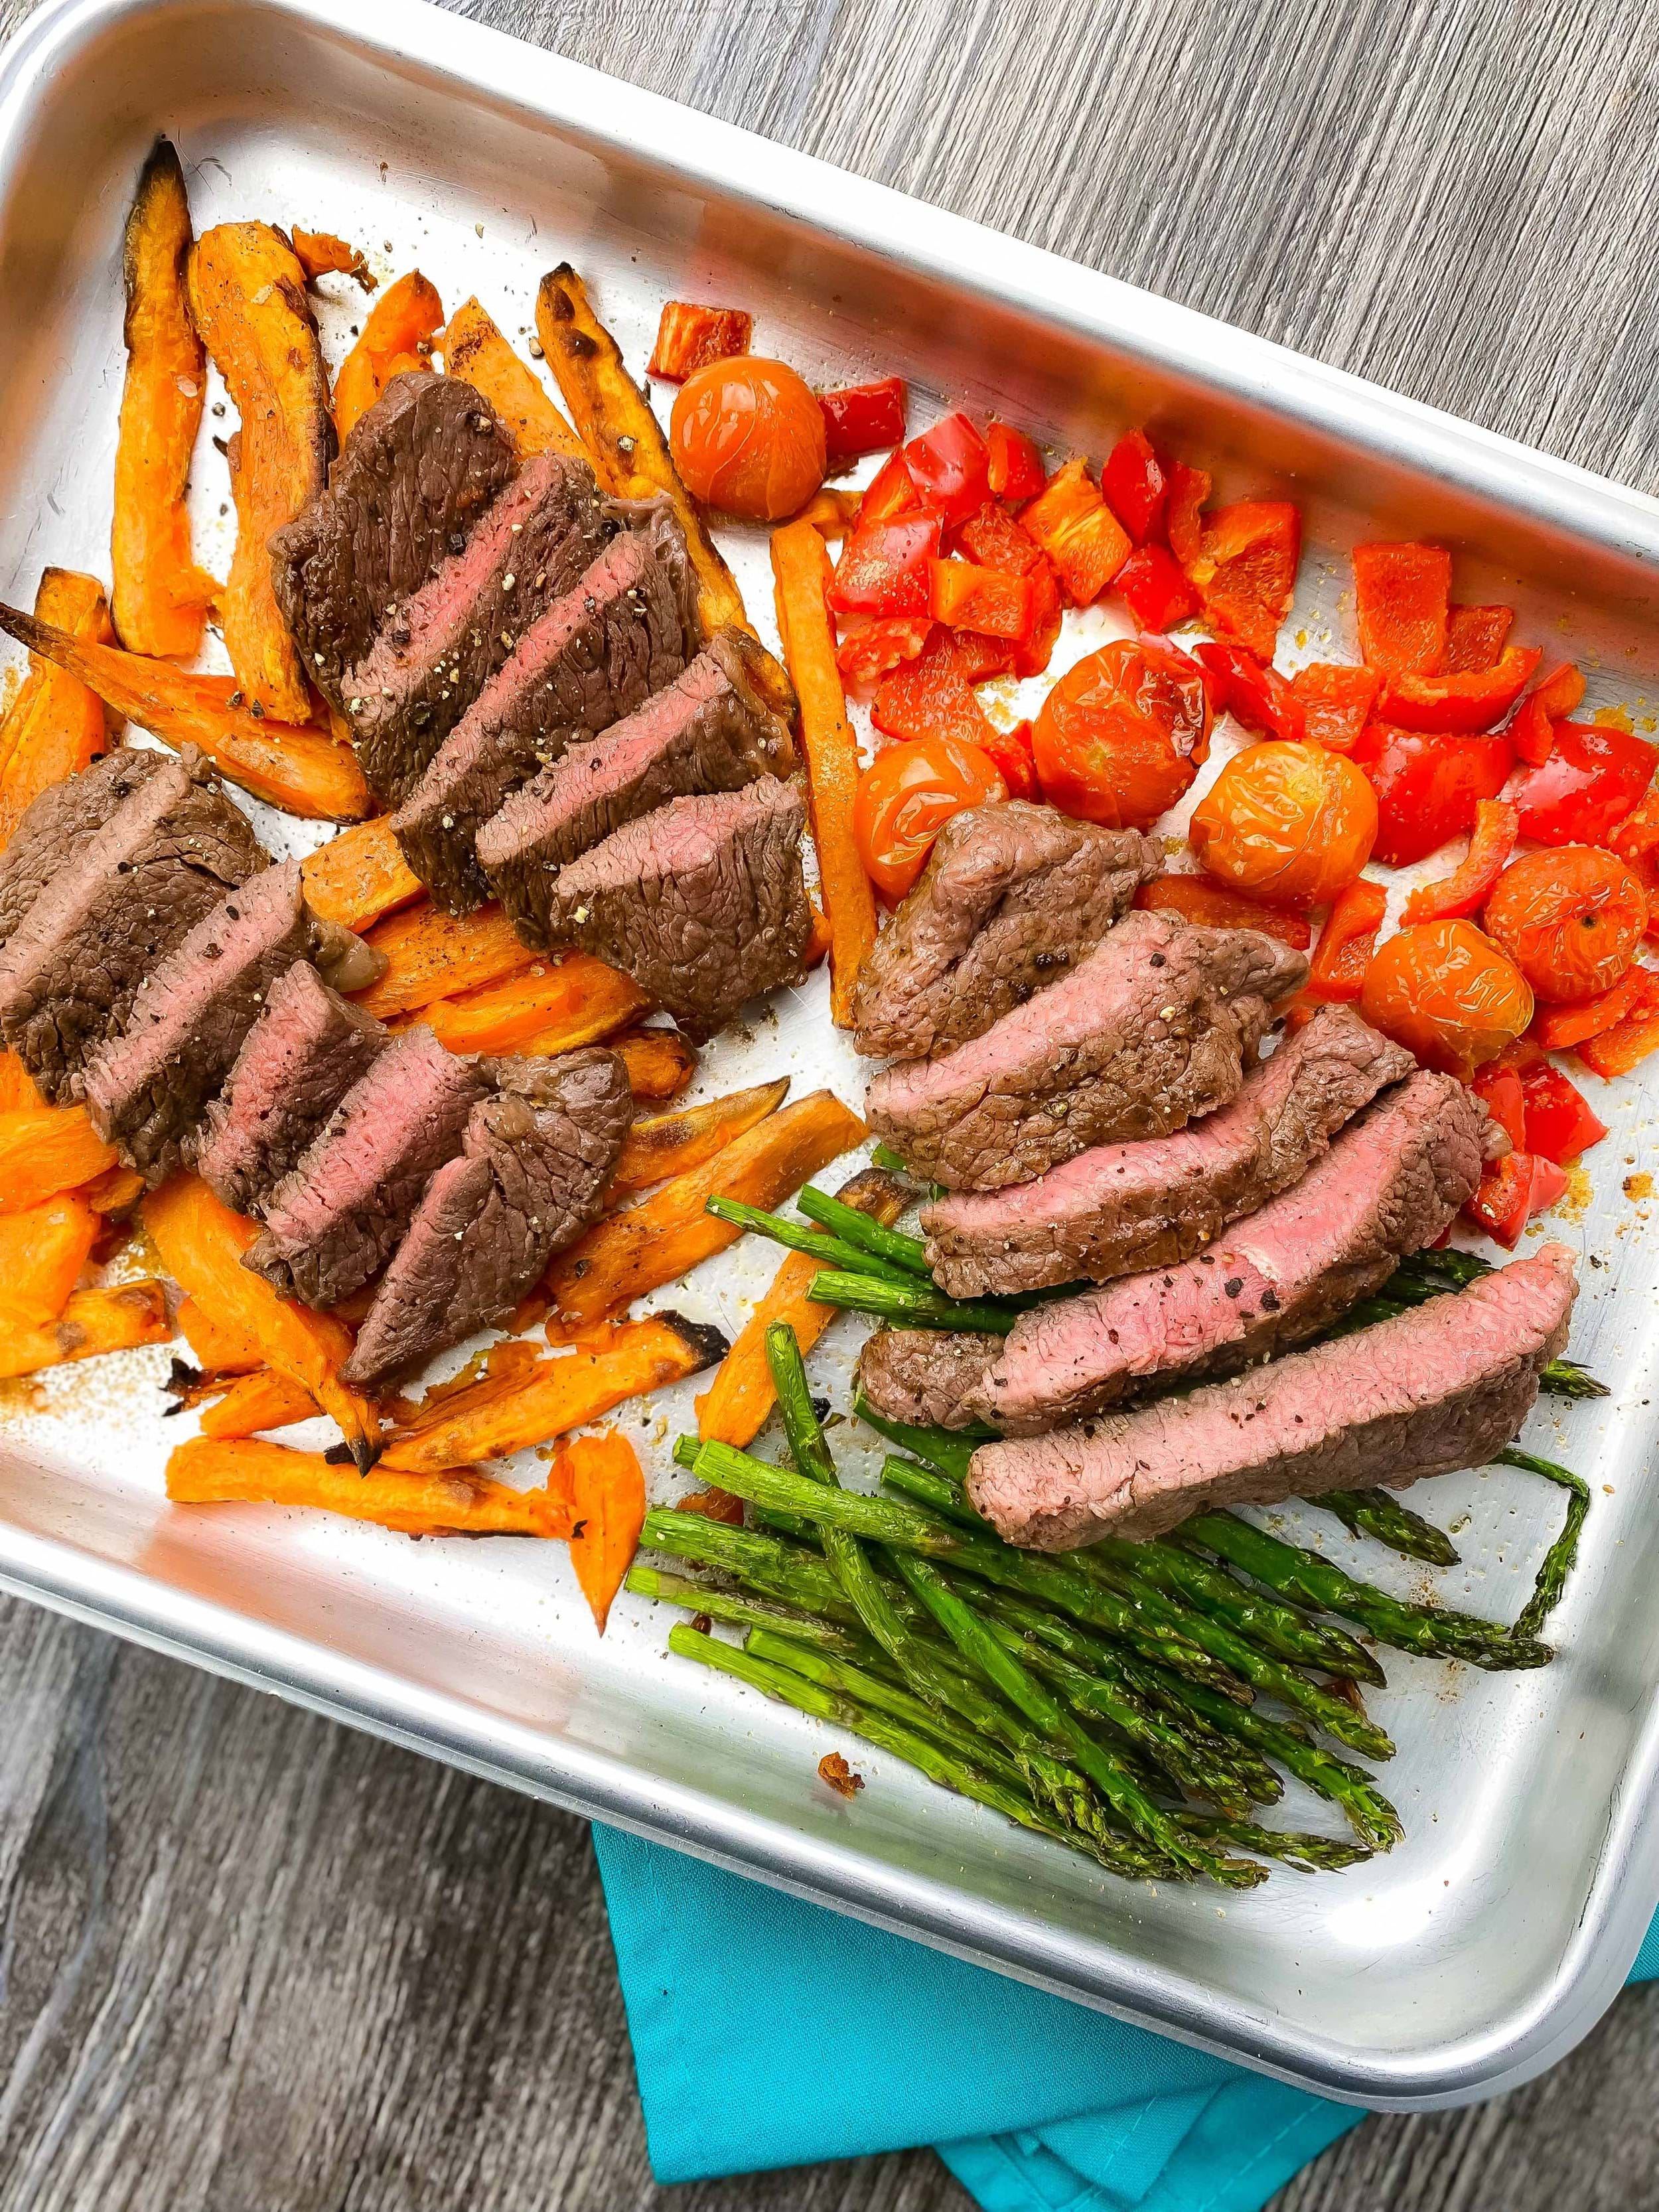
{"x":748,"y":437}
{"x":905,"y":797}
{"x":1448,"y":994}
{"x":1288,"y":822}
{"x":1119,"y":738}
{"x":1427,"y":787}
{"x":1572,"y":921}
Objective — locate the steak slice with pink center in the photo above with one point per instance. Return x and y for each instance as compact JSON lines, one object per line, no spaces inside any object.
{"x":60,"y":820}
{"x":1443,"y":1386}
{"x":1118,"y":1208}
{"x":1153,"y":1027}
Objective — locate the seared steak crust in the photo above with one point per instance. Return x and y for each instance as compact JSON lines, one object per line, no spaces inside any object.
{"x":60,"y":820}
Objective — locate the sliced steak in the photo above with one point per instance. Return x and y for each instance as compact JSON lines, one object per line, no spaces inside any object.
{"x":1153,"y":1028}
{"x":1013,"y":895}
{"x":933,"y":1377}
{"x":418,"y":469}
{"x":1118,"y":1208}
{"x":710,"y":730}
{"x":115,"y":904}
{"x":296,"y":1064}
{"x":703,"y":902}
{"x":148,"y":1089}
{"x":335,"y":1219}
{"x":625,"y":629}
{"x":434,"y":656}
{"x":1443,"y":1386}
{"x":531,"y":1175}
{"x":60,"y":820}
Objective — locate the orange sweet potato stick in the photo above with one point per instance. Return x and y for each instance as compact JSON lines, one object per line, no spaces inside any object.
{"x":550,"y":1007}
{"x":663,"y":1144}
{"x":56,"y":725}
{"x":47,"y":1150}
{"x":599,"y":1480}
{"x":209,"y":1472}
{"x":475,"y":349}
{"x":431,"y":955}
{"x":42,"y":1253}
{"x":396,"y":338}
{"x":92,"y":1322}
{"x":359,"y":876}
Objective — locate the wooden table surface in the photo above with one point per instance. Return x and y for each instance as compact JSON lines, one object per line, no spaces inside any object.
{"x":226,"y":1982}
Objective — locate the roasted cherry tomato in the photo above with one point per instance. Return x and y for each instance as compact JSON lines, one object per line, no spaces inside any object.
{"x":748,"y":437}
{"x":1572,"y":919}
{"x":1592,"y":779}
{"x":905,"y":797}
{"x":1427,"y":787}
{"x":1119,"y":738}
{"x":1288,"y":822}
{"x":1448,"y":994}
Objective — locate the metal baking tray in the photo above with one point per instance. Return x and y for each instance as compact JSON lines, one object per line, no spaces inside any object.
{"x":1490,"y":1941}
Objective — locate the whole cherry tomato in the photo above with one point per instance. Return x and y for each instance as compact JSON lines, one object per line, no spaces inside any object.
{"x":905,"y":797}
{"x":1592,"y":779}
{"x":1427,"y":787}
{"x":1448,"y":994}
{"x":1285,"y":822}
{"x":748,"y":437}
{"x":1572,"y":919}
{"x":1119,"y":738}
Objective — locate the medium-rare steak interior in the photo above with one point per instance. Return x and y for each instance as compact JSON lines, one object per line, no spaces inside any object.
{"x":60,"y":821}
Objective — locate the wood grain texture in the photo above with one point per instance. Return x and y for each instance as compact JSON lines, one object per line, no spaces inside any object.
{"x":250,"y":1962}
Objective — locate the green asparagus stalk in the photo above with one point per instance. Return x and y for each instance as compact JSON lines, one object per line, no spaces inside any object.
{"x":815,"y":1242}
{"x":737,"y":1611}
{"x":759,"y":1561}
{"x":870,"y":1236}
{"x":1380,"y":1513}
{"x":1307,"y":1854}
{"x":940,"y":1448}
{"x":908,"y":1304}
{"x":1551,"y":1578}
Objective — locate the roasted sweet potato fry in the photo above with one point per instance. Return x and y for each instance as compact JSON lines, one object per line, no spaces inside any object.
{"x":220,"y":1347}
{"x":92,"y":1322}
{"x":659,"y":1062}
{"x":475,"y":349}
{"x":56,"y":725}
{"x":17,"y":1090}
{"x":322,"y":254}
{"x":253,"y":1403}
{"x":735,"y":1406}
{"x":432,"y":955}
{"x":359,"y":876}
{"x":832,"y":513}
{"x":201,"y":1244}
{"x":626,"y":445}
{"x":42,"y":1253}
{"x":161,"y":597}
{"x":204,"y":1472}
{"x":247,"y":299}
{"x":118,"y":1190}
{"x":599,"y":1480}
{"x":564,"y":1391}
{"x":663,"y":1145}
{"x":550,"y":1007}
{"x":294,"y":765}
{"x":626,"y":1254}
{"x":397,"y":337}
{"x":800,"y":565}
{"x":47,"y":1150}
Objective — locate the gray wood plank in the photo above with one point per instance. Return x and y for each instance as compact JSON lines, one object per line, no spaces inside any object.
{"x":248,"y":1960}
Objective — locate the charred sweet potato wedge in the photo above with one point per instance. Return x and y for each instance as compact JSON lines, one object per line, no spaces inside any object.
{"x":92,"y":1322}
{"x":220,"y":1347}
{"x":359,"y":876}
{"x":46,"y":1150}
{"x":42,"y":1253}
{"x":660,"y":1145}
{"x":206,"y":1472}
{"x":396,"y":339}
{"x":548,"y":1008}
{"x":602,"y":1486}
{"x":247,"y":1405}
{"x":659,"y":1062}
{"x":56,"y":725}
{"x":475,"y":349}
{"x":247,"y":301}
{"x":322,"y":254}
{"x":161,"y":597}
{"x":430,"y":955}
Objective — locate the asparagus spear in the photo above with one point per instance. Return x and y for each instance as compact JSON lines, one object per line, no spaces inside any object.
{"x":1307,"y":1854}
{"x":831,"y":1251}
{"x":870,"y":1236}
{"x":1380,"y":1513}
{"x":759,"y":1561}
{"x":940,"y":1448}
{"x":738,"y":1611}
{"x":1552,"y":1574}
{"x":908,"y":1304}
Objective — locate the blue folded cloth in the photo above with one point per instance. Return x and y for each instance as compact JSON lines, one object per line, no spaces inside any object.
{"x":769,"y":2032}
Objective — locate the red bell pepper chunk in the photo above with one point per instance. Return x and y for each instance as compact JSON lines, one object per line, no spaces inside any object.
{"x":1591,"y":781}
{"x":1458,"y":704}
{"x":1491,"y":845}
{"x":1214,"y":906}
{"x":1511,"y":1191}
{"x":1336,"y":702}
{"x":1562,"y":1029}
{"x":886,"y":568}
{"x":689,"y":338}
{"x":1559,"y":1124}
{"x":1189,"y":489}
{"x":996,"y":540}
{"x":1015,"y":467}
{"x":1551,"y":700}
{"x":862,"y":418}
{"x":1337,"y":971}
{"x":1257,"y":695}
{"x":890,"y":492}
{"x":933,"y":695}
{"x":1615,"y":1051}
{"x":1246,"y":570}
{"x":985,"y":600}
{"x":1158,"y":591}
{"x":1475,"y":638}
{"x":951,"y":468}
{"x":1048,"y":613}
{"x":1428,"y":787}
{"x":1498,"y":1089}
{"x":1638,"y":833}
{"x":1015,"y":757}
{"x":886,"y":642}
{"x":1080,"y":533}
{"x":1401,"y":596}
{"x":1135,"y":486}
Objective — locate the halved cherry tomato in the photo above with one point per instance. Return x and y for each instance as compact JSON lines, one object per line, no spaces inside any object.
{"x":1464,"y":891}
{"x":1135,"y":487}
{"x":748,"y":438}
{"x":1427,"y":787}
{"x":1475,"y":638}
{"x":1511,"y":1191}
{"x":1448,"y":994}
{"x":1189,"y":489}
{"x":886,"y":568}
{"x":1288,"y":822}
{"x":951,"y":468}
{"x":862,"y":418}
{"x":1498,"y":1089}
{"x":1559,"y":1124}
{"x":1080,"y":533}
{"x":869,"y":652}
{"x":1015,"y":470}
{"x":1119,"y":738}
{"x":1157,"y":589}
{"x":1336,"y":702}
{"x":1337,"y":971}
{"x":888,"y":492}
{"x":1401,"y":597}
{"x":1592,"y":779}
{"x":1252,"y":692}
{"x":1615,"y":1051}
{"x":989,"y":600}
{"x":1551,"y":699}
{"x":1570,"y":919}
{"x":904,"y":799}
{"x":1246,"y":570}
{"x":1196,"y":898}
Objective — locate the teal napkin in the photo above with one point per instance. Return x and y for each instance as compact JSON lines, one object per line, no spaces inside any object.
{"x":771,"y":2033}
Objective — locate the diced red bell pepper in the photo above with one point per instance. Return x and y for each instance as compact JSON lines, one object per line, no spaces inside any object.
{"x":1615,"y":1051}
{"x":1551,"y":699}
{"x":1337,"y":971}
{"x":933,"y":695}
{"x":1246,"y":570}
{"x":1559,"y":1124}
{"x":862,"y":418}
{"x":1638,"y":833}
{"x":1428,"y":787}
{"x":1491,"y":844}
{"x":978,"y":657}
{"x":1079,"y":532}
{"x":1475,"y":638}
{"x":996,"y":540}
{"x":865,"y":655}
{"x":1499,"y":1090}
{"x":886,"y":568}
{"x":1511,"y":1191}
{"x":1135,"y":487}
{"x":1015,"y":468}
{"x":1189,"y":489}
{"x":1047,"y":614}
{"x":1458,"y":704}
{"x":1336,"y":702}
{"x":1015,"y":758}
{"x":985,"y":600}
{"x":1214,"y":906}
{"x":1591,"y":781}
{"x":951,"y":468}
{"x":890,"y":492}
{"x":1563,"y":1028}
{"x":688,"y":338}
{"x":1401,"y":597}
{"x":1257,"y":695}
{"x":1160,"y":594}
